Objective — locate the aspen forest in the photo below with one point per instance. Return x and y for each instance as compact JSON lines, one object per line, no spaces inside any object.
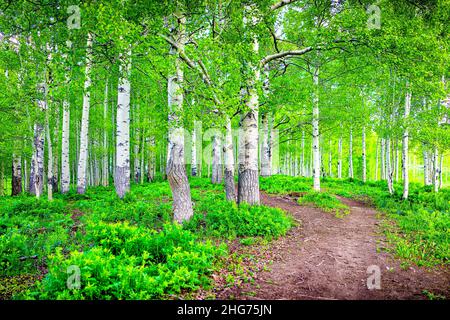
{"x":224,"y":150}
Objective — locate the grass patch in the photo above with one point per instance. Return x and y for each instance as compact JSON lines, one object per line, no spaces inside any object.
{"x":325,"y":202}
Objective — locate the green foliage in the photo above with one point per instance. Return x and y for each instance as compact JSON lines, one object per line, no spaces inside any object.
{"x":283,"y":184}
{"x":220,"y":218}
{"x":30,"y":229}
{"x":128,"y":262}
{"x":326,"y":202}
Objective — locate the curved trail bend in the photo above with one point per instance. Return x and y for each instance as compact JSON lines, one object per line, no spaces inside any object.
{"x":327,"y":258}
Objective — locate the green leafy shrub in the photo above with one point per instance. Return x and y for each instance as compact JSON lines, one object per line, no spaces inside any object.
{"x":131,"y":262}
{"x":284,"y":184}
{"x":226,"y":219}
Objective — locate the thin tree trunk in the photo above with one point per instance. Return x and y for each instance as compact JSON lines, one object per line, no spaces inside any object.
{"x":65,"y":149}
{"x":38,"y":161}
{"x":230,"y":189}
{"x":330,"y":159}
{"x":383,"y":159}
{"x":216,"y":176}
{"x":340,"y":158}
{"x":16,"y":182}
{"x":350,"y":155}
{"x":426,"y":171}
{"x":364,"y":158}
{"x":376,"y":161}
{"x":122,"y":175}
{"x":137,"y":139}
{"x":315,"y":135}
{"x":50,"y":176}
{"x":302,"y":156}
{"x":389,"y":172}
{"x":105,"y":166}
{"x":84,"y":138}
{"x":405,"y":148}
{"x":194,"y":152}
{"x":265,"y":147}
{"x":435,"y":170}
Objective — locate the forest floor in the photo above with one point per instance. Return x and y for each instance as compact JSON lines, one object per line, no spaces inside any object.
{"x":325,"y":257}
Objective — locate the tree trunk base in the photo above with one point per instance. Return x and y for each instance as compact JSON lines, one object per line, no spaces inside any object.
{"x":248,"y":187}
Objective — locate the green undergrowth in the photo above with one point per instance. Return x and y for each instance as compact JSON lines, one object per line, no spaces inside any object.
{"x":420,"y":232}
{"x":326,"y":202}
{"x":123,"y":248}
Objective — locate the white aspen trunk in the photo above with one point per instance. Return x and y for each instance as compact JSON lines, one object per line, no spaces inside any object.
{"x":340,"y":158}
{"x":151,"y":170}
{"x":441,"y":165}
{"x":364,"y":158}
{"x":194,"y":153}
{"x":383,"y":160}
{"x":137,"y":138}
{"x":397,"y":161}
{"x":122,"y":174}
{"x":376,"y":161}
{"x":50,"y":161}
{"x":176,"y":171}
{"x":16,"y":181}
{"x":216,"y":176}
{"x":330,"y":159}
{"x":230,"y":189}
{"x":65,"y":149}
{"x":105,"y":166}
{"x":25,"y":175}
{"x":142,"y":162}
{"x":302,"y":156}
{"x":84,"y":138}
{"x":248,"y":177}
{"x":265,"y":147}
{"x":435,"y":170}
{"x":405,"y":148}
{"x":315,"y":134}
{"x":389,"y":172}
{"x":350,"y":155}
{"x":425,"y":167}
{"x":38,"y":160}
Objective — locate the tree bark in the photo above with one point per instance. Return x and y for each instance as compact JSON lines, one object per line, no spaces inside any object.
{"x":216,"y":176}
{"x":194,"y":152}
{"x":122,"y":175}
{"x":248,"y":177}
{"x":350,"y":155}
{"x":50,"y":176}
{"x":389,"y":172}
{"x":84,"y":138}
{"x":376,"y":161}
{"x":425,"y":167}
{"x":16,"y":182}
{"x":315,"y":135}
{"x":65,"y":149}
{"x":364,"y":158}
{"x":265,"y":147}
{"x":38,"y":161}
{"x":105,"y":166}
{"x":176,"y":171}
{"x":435,"y":180}
{"x":405,"y":148}
{"x":340,"y":158}
{"x":230,"y":189}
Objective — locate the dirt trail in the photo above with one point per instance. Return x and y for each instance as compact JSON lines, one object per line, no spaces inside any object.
{"x":327,"y":258}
